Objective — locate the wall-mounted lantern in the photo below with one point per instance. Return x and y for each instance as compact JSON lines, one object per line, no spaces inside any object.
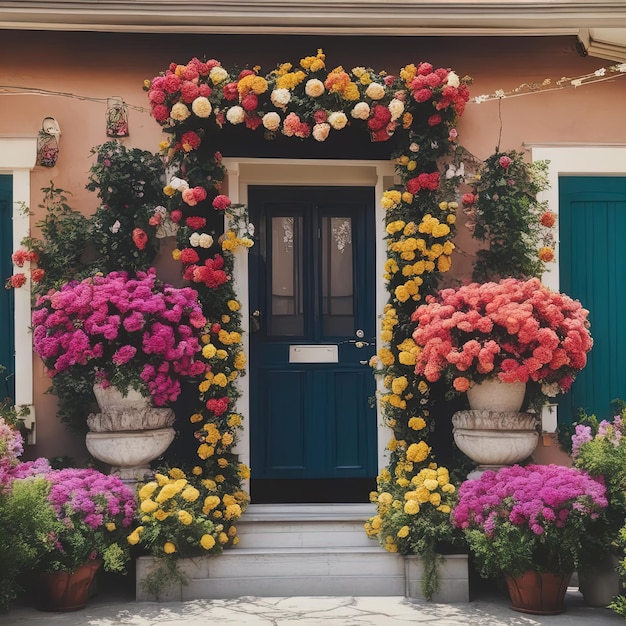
{"x":48,"y":142}
{"x":116,"y":117}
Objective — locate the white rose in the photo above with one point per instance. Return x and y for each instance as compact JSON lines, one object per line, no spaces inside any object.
{"x":271,"y":121}
{"x":361,"y":111}
{"x":251,"y":229}
{"x":320,"y":131}
{"x":375,"y":91}
{"x":235,"y":115}
{"x":218,"y":75}
{"x":178,"y":184}
{"x":194,"y":240}
{"x":396,"y":107}
{"x":453,"y":80}
{"x":180,"y":112}
{"x":116,"y":226}
{"x":201,"y":106}
{"x":314,"y":88}
{"x":280,"y":97}
{"x":337,"y":120}
{"x":205,"y":240}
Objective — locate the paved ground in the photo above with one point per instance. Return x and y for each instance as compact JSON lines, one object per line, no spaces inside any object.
{"x":113,"y":608}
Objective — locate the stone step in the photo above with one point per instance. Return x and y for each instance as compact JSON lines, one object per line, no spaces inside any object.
{"x":304,"y":526}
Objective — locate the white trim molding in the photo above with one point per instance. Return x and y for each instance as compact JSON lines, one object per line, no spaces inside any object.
{"x":242,"y":172}
{"x":17,"y":158}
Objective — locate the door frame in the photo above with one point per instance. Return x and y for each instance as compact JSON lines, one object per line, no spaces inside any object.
{"x":243,"y":172}
{"x":572,"y":160}
{"x":17,"y":158}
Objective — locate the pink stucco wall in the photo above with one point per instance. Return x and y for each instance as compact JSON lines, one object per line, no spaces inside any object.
{"x":98,"y":65}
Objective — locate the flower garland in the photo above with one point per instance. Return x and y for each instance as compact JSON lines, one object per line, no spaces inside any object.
{"x":420,"y":106}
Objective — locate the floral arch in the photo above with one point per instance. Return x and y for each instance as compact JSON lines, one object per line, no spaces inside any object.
{"x":418,"y":108}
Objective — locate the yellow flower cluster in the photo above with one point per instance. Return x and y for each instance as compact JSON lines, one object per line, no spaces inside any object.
{"x":314,"y":63}
{"x":231,"y":242}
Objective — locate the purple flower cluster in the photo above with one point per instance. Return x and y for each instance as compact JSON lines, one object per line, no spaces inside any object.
{"x":537,"y":497}
{"x":88,"y":496}
{"x":123,"y":330}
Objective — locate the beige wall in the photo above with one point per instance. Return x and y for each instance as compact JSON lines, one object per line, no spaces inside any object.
{"x":98,"y":65}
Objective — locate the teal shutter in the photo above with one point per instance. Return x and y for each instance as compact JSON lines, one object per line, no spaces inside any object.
{"x":7,"y":386}
{"x":592,"y":234}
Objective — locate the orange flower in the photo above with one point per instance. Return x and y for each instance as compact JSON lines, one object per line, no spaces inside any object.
{"x":546,"y":254}
{"x":548,"y":219}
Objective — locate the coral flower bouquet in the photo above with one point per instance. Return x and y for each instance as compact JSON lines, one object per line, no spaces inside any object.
{"x":513,"y":330}
{"x":532,"y":518}
{"x":131,"y":332}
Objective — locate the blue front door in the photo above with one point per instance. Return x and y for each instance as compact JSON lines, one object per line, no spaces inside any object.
{"x":592,"y":231}
{"x":7,"y":382}
{"x":312,"y":277}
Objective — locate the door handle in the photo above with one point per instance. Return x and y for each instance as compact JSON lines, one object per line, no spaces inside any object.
{"x":255,"y":321}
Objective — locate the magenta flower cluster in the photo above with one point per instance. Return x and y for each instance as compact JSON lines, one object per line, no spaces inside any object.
{"x":90,"y":497}
{"x":538,"y":498}
{"x":125,"y":331}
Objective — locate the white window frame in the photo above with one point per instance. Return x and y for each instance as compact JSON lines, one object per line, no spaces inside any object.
{"x":17,"y":158}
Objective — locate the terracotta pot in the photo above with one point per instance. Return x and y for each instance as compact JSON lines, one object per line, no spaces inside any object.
{"x":538,"y":593}
{"x":66,"y":591}
{"x":494,"y":395}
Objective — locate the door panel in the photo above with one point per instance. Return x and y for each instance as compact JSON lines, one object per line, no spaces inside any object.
{"x":311,"y":416}
{"x":592,"y":228}
{"x":7,"y":380}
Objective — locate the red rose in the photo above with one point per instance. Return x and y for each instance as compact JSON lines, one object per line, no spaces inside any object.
{"x":189,"y":92}
{"x":160,"y":112}
{"x":140,"y":239}
{"x":434,"y":120}
{"x":231,"y":92}
{"x":221,"y":202}
{"x":505,"y":161}
{"x":423,"y":69}
{"x":176,"y":215}
{"x":320,"y":116}
{"x":422,"y":95}
{"x":413,"y":185}
{"x":196,"y":222}
{"x":249,"y":102}
{"x":190,"y":141}
{"x":199,"y":194}
{"x":253,"y":122}
{"x":215,"y":328}
{"x":245,"y":73}
{"x":17,"y":280}
{"x":217,"y":406}
{"x":468,"y":199}
{"x":189,"y":256}
{"x":37,"y":275}
{"x":205,"y":91}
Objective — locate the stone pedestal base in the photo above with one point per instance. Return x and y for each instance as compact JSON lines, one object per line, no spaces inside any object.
{"x":494,"y":439}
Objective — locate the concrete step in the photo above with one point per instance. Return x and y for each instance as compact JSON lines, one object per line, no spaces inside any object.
{"x":304,"y":526}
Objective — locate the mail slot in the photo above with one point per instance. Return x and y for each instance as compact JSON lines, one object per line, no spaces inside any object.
{"x":313,"y":354}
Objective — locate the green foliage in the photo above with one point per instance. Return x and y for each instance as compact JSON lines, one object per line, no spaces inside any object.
{"x":63,"y":245}
{"x":164,"y":574}
{"x":128,"y":181}
{"x":27,"y":522}
{"x":507,"y":217}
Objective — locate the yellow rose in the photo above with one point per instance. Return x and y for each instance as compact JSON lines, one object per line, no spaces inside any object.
{"x":403,"y":532}
{"x":190,"y":494}
{"x":169,"y":548}
{"x":110,"y":526}
{"x":147,"y":490}
{"x":149,"y":506}
{"x":411,"y":507}
{"x":185,"y":518}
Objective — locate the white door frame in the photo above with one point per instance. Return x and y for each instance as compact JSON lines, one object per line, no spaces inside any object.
{"x":243,"y":172}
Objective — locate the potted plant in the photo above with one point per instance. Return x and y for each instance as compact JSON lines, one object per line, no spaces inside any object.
{"x":413,"y":518}
{"x":529,"y":524}
{"x":600,"y":450}
{"x":182,"y":515}
{"x":60,"y":524}
{"x":512,"y":330}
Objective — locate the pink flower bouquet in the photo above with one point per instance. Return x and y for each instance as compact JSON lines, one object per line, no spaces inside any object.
{"x":117,"y":330}
{"x":515,"y":330}
{"x":527,"y":518}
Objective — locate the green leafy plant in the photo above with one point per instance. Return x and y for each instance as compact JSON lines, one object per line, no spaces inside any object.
{"x":27,"y":525}
{"x":531,"y":518}
{"x":180,"y":516}
{"x":413,"y":513}
{"x":503,"y":212}
{"x":601,"y":452}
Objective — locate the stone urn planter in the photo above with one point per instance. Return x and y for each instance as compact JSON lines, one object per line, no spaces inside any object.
{"x":494,"y":395}
{"x":128,"y":433}
{"x":494,"y":439}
